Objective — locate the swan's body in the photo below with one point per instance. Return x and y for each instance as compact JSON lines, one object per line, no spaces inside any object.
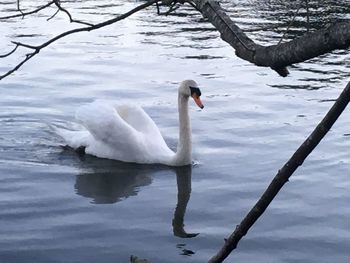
{"x":128,"y":134}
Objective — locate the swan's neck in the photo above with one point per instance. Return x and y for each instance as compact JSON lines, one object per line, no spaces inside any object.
{"x":184,"y":148}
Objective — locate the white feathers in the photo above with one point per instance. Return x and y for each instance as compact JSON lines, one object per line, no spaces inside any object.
{"x":127,"y":133}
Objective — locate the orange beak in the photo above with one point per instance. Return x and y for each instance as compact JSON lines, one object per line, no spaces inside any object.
{"x":197,"y":100}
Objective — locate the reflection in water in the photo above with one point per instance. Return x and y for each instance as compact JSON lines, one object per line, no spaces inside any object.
{"x":183,"y":178}
{"x":111,"y":181}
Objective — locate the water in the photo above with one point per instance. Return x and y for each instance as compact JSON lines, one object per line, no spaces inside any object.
{"x":58,"y":207}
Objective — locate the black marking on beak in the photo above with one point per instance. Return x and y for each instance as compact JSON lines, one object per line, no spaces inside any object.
{"x":195,"y":90}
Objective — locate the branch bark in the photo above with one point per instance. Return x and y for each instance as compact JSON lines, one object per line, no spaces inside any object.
{"x":283,"y":175}
{"x":278,"y":57}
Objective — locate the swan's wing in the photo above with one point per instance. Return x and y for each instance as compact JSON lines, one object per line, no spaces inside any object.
{"x":153,"y":140}
{"x":104,"y":123}
{"x":137,"y":118}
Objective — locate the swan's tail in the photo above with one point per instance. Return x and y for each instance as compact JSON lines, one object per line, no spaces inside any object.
{"x":74,"y":139}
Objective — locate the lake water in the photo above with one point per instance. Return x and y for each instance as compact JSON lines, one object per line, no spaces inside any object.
{"x":58,"y":207}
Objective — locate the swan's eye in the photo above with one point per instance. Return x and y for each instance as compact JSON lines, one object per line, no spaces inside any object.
{"x":195,"y":90}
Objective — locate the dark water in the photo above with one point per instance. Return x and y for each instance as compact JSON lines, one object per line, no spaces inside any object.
{"x":58,"y":207}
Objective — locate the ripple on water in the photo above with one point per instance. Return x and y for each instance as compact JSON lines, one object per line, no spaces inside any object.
{"x":57,"y":206}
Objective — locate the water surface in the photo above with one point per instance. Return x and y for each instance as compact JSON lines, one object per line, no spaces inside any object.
{"x":56,"y":206}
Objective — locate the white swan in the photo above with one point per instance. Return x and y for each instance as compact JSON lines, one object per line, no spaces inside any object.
{"x":128,"y":134}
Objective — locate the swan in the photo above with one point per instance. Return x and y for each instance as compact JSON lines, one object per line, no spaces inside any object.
{"x":126,"y":133}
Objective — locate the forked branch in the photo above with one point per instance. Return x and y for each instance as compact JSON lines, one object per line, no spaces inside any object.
{"x":57,"y":3}
{"x":23,"y":14}
{"x":279,"y":56}
{"x":60,"y":8}
{"x":88,"y":28}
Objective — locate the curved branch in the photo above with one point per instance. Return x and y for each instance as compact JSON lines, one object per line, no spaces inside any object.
{"x":23,"y":14}
{"x":28,"y":57}
{"x":284,"y":174}
{"x":24,"y":45}
{"x":77,"y":30}
{"x":54,"y":14}
{"x":60,"y":8}
{"x":9,"y":53}
{"x":278,"y":57}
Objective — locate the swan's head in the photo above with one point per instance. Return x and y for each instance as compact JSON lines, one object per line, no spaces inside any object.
{"x":189,"y":88}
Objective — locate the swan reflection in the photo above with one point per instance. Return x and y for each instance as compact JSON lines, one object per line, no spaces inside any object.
{"x":108,"y":181}
{"x":183,"y":179}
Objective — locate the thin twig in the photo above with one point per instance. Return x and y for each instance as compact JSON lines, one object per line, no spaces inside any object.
{"x":193,"y":5}
{"x":158,"y":9}
{"x":9,"y":53}
{"x":24,"y":45}
{"x":172,"y":8}
{"x":172,"y":5}
{"x":290,"y":24}
{"x":60,"y":8}
{"x":19,"y":9}
{"x":29,"y":12}
{"x":82,"y":29}
{"x":57,"y":11}
{"x":28,"y":57}
{"x":307,"y":16}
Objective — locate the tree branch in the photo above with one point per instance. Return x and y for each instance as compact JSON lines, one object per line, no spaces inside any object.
{"x":23,"y":14}
{"x":77,"y":30}
{"x":24,"y":45}
{"x":19,"y":7}
{"x":27,"y":57}
{"x":283,"y":175}
{"x":60,"y":8}
{"x":290,"y":24}
{"x":278,"y":57}
{"x":307,"y":16}
{"x":9,"y":53}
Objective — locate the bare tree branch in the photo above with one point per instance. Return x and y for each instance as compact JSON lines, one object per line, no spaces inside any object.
{"x":284,"y":174}
{"x":22,"y":14}
{"x":54,"y":14}
{"x":307,"y":16}
{"x":9,"y":53}
{"x":290,"y":24}
{"x":27,"y":57}
{"x":19,"y":8}
{"x":60,"y":8}
{"x":38,"y":48}
{"x":278,"y":57}
{"x":24,"y":45}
